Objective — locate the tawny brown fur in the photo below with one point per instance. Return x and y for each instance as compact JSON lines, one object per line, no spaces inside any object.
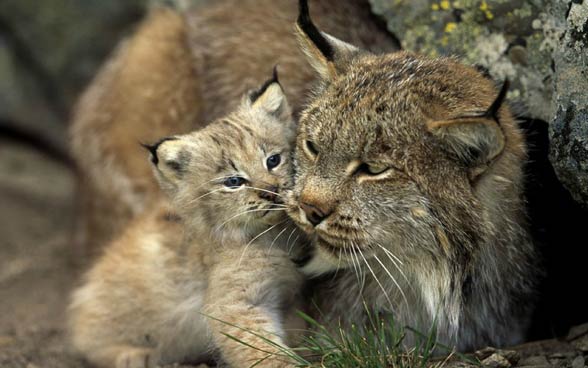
{"x":409,"y":178}
{"x":215,"y":263}
{"x":177,"y":72}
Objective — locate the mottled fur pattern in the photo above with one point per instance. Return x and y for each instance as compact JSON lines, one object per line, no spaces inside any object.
{"x":214,"y":262}
{"x":409,"y":179}
{"x":177,"y":72}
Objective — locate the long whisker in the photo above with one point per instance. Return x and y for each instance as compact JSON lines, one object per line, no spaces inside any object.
{"x":394,"y":262}
{"x":338,"y":263}
{"x":262,"y":190}
{"x":289,"y":237}
{"x":390,"y":254}
{"x":356,"y":268}
{"x":204,"y":195}
{"x":245,"y":212}
{"x":376,"y":279}
{"x":279,"y":234}
{"x":256,"y":237}
{"x":393,"y":279}
{"x":293,"y":242}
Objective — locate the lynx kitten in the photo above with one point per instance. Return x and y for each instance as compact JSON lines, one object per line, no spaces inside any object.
{"x":174,"y":285}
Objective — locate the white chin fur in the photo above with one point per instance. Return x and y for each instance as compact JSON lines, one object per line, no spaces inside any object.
{"x":319,"y":265}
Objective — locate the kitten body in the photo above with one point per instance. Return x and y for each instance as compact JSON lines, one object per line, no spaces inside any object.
{"x":213,"y":261}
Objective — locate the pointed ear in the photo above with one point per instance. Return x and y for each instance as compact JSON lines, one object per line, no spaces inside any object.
{"x":270,"y":98}
{"x":328,"y":55}
{"x":170,"y":160}
{"x":476,"y":140}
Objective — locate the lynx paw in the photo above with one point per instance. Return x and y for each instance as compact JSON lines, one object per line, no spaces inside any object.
{"x":137,"y":358}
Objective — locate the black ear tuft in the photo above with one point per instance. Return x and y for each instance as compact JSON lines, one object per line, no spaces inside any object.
{"x":152,"y":148}
{"x":307,"y":26}
{"x":492,"y":111}
{"x":254,"y":95}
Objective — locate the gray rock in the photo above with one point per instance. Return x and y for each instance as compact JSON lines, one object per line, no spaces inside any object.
{"x":496,"y":361}
{"x":577,"y":332}
{"x":579,"y":362}
{"x":538,"y":360}
{"x":569,"y":127}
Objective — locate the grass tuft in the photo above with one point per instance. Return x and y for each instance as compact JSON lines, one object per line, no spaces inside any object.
{"x":378,"y":345}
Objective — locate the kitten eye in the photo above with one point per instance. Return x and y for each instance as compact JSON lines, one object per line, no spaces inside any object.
{"x":273,"y":161}
{"x":234,"y":182}
{"x":373,"y":169}
{"x":311,"y":148}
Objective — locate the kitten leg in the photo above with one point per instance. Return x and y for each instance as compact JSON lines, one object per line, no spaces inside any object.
{"x":248,"y":301}
{"x":253,"y":327}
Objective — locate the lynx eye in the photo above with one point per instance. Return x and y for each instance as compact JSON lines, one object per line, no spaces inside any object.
{"x":234,"y":182}
{"x":372,"y":169}
{"x":311,"y":148}
{"x":273,"y":161}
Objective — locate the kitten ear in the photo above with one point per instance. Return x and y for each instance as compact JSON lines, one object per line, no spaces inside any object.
{"x":170,"y":160}
{"x":270,"y":98}
{"x":328,"y":55}
{"x":476,"y":140}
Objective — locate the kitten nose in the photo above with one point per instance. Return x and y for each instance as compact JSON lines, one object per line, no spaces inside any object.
{"x":315,"y":213}
{"x":268,"y":192}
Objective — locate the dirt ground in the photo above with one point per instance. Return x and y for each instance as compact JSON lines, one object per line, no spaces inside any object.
{"x":37,"y":273}
{"x":36,"y":215}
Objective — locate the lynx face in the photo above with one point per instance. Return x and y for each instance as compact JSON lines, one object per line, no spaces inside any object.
{"x":228,"y":175}
{"x":391,"y":151}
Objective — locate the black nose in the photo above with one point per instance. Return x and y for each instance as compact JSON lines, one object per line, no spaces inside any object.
{"x":314,"y":214}
{"x":269,"y":193}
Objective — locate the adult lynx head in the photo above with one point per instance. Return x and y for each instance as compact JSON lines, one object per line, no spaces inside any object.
{"x":227,"y":176}
{"x":409,"y":169}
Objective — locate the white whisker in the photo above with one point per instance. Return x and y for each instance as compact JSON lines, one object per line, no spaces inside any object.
{"x":393,"y":280}
{"x":276,"y":238}
{"x":204,"y":195}
{"x":376,"y":279}
{"x":288,"y":241}
{"x":256,"y":237}
{"x":245,"y":212}
{"x":394,"y":262}
{"x":262,"y":190}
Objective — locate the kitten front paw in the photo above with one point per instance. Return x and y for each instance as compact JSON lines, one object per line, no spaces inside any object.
{"x":137,"y":358}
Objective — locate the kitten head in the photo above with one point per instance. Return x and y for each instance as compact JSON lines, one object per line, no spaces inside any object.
{"x":228,"y":176}
{"x":400,"y":153}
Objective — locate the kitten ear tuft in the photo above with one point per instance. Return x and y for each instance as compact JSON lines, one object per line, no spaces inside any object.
{"x":328,"y":55}
{"x":152,"y":148}
{"x":270,"y":98}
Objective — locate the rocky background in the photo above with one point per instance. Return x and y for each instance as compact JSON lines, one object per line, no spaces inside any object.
{"x":50,"y":49}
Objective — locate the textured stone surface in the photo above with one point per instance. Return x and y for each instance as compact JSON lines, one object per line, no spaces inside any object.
{"x":539,"y":45}
{"x":569,"y":128}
